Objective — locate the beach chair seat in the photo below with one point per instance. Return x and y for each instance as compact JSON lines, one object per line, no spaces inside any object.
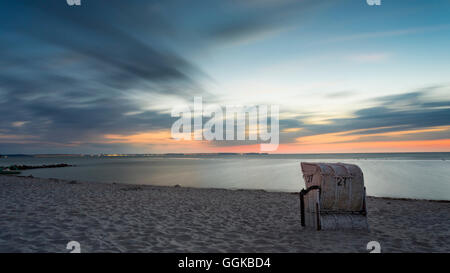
{"x":334,"y":197}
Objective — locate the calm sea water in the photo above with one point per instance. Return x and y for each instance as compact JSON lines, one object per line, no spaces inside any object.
{"x":418,"y":175}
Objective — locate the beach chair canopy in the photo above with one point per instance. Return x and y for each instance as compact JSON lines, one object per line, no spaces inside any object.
{"x":334,"y":196}
{"x":341,"y":185}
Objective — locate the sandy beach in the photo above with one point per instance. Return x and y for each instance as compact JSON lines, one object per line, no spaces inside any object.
{"x":43,"y":215}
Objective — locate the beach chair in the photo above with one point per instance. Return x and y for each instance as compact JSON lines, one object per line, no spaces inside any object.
{"x":334,"y":197}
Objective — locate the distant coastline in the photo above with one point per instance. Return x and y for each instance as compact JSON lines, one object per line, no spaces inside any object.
{"x":421,"y":155}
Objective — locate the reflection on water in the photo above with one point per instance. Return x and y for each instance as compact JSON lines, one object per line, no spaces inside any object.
{"x":390,"y":176}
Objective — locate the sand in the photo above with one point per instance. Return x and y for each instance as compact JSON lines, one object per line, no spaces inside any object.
{"x":43,"y":215}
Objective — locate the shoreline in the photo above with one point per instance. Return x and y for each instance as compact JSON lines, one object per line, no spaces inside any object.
{"x":42,"y":215}
{"x":229,"y":189}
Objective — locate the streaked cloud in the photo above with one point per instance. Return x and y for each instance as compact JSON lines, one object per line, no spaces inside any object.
{"x":18,"y":123}
{"x":387,"y":33}
{"x":369,"y":57}
{"x":365,"y":135}
{"x":291,"y":130}
{"x":103,"y":77}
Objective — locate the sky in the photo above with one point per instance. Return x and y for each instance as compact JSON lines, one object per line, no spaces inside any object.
{"x":103,"y":77}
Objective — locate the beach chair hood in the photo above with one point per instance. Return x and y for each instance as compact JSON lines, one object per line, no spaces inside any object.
{"x":334,"y":194}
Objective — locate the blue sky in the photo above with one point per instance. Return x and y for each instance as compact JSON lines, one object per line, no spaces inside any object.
{"x":71,"y":76}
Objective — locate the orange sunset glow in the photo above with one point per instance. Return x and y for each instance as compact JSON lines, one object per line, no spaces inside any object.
{"x":354,"y":141}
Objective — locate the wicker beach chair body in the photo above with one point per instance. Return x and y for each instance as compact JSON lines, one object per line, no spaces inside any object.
{"x":334,"y":198}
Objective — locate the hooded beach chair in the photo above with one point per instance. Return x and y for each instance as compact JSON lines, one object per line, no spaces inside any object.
{"x":334,"y":197}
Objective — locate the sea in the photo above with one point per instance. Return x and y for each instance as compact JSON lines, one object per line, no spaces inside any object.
{"x":402,"y":175}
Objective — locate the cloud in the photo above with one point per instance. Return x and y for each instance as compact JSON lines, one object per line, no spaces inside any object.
{"x":369,"y":57}
{"x":387,"y":33}
{"x":409,"y":115}
{"x":291,"y":130}
{"x":19,"y":123}
{"x":70,"y":70}
{"x":340,"y":94}
{"x":71,"y":75}
{"x":248,"y":20}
